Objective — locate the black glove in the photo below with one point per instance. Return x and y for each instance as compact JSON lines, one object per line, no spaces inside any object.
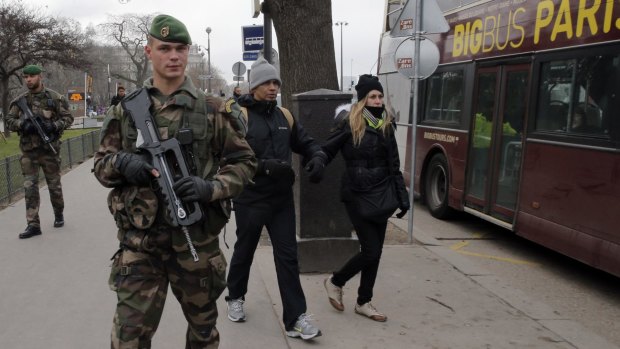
{"x":193,"y":188}
{"x":276,"y":168}
{"x":403,"y":196}
{"x":134,"y":168}
{"x":27,"y":127}
{"x":316,"y":167}
{"x":49,"y":126}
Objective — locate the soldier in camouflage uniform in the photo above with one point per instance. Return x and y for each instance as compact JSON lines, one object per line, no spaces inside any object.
{"x":154,"y":254}
{"x":50,"y":109}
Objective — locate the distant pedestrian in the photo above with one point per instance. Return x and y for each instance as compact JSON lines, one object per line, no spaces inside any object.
{"x":365,"y":137}
{"x":274,"y":134}
{"x":50,"y":111}
{"x":120,"y":95}
{"x":236,"y":93}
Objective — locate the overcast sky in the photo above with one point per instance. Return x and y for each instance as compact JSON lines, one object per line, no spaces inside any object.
{"x":226,"y":17}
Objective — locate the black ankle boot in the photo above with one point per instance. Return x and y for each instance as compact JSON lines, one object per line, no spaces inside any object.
{"x":59,"y":221}
{"x":30,"y":231}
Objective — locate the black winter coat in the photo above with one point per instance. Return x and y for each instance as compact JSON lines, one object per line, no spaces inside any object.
{"x":271,"y":137}
{"x":368,"y":163}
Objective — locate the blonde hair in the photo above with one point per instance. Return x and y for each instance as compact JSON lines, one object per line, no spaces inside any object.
{"x":358,"y":123}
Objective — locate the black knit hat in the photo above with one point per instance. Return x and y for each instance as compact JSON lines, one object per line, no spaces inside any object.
{"x":367,"y":83}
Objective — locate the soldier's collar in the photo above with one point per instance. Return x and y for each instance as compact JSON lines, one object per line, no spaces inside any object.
{"x":187,"y":87}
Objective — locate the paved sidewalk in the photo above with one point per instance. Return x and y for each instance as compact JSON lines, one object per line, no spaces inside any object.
{"x":54,"y":293}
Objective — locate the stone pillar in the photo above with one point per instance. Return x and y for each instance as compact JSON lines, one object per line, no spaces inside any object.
{"x":324,"y":236}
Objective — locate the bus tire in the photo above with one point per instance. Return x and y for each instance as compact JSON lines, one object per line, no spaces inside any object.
{"x":436,"y":187}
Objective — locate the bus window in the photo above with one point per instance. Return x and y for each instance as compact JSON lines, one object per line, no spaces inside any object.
{"x":575,"y":95}
{"x":444,"y":97}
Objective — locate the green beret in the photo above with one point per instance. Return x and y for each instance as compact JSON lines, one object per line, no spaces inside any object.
{"x":32,"y":69}
{"x":169,"y":29}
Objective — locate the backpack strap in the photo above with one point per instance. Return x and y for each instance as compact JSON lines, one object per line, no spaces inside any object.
{"x":244,"y":112}
{"x":286,"y":112}
{"x":288,"y":116}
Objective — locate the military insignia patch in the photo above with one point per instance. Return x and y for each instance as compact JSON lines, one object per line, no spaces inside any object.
{"x":165,"y":31}
{"x":228,"y":105}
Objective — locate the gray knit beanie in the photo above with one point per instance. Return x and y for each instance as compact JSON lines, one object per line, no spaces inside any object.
{"x":262,"y":72}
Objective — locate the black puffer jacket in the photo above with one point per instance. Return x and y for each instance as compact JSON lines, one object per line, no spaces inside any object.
{"x":271,"y":137}
{"x":368,"y":163}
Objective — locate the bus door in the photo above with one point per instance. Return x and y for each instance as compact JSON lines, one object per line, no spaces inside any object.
{"x":494,"y":161}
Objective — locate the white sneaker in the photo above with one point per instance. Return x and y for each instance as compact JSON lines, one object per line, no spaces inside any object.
{"x":303,"y":328}
{"x":334,"y":293}
{"x":235,"y":310}
{"x":368,"y":310}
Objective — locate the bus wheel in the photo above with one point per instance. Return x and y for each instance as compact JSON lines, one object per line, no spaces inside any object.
{"x":436,"y":187}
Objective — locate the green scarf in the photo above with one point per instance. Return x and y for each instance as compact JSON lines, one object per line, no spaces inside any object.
{"x":372,"y":120}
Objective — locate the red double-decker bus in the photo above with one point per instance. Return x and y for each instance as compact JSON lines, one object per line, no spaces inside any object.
{"x":520,"y":123}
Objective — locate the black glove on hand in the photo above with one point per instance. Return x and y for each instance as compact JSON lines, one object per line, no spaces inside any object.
{"x":27,"y":127}
{"x":276,"y":168}
{"x":49,"y":126}
{"x":193,"y":188}
{"x":134,"y":168}
{"x":315,"y":168}
{"x":402,"y":213}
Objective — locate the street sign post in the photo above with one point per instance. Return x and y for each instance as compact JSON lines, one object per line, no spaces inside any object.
{"x":250,"y":56}
{"x":238,"y":78}
{"x":253,"y":40}
{"x":427,"y":62}
{"x":238,"y":68}
{"x":432,"y":19}
{"x":416,"y":17}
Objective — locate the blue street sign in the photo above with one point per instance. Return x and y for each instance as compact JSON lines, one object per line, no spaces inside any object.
{"x":253,"y":38}
{"x":250,"y":56}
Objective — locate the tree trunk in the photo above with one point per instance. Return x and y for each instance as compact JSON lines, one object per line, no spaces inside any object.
{"x":306,"y":45}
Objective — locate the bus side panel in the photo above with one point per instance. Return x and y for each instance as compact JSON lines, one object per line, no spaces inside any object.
{"x":453,"y":144}
{"x":572,"y":206}
{"x":600,"y":254}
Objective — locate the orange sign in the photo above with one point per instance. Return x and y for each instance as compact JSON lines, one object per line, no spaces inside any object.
{"x":76,"y":96}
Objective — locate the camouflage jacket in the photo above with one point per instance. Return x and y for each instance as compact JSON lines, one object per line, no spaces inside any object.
{"x":222,"y":154}
{"x":48,"y":104}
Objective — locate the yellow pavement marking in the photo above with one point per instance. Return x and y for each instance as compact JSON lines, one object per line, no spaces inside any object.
{"x":458,"y":247}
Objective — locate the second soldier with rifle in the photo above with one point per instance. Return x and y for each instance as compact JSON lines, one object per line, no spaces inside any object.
{"x":39,"y":116}
{"x":173,"y":158}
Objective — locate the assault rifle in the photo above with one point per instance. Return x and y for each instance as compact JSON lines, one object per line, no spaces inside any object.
{"x":167,"y":158}
{"x":36,"y":120}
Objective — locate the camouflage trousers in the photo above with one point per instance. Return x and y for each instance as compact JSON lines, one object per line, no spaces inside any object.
{"x":141,"y":278}
{"x":31,"y":162}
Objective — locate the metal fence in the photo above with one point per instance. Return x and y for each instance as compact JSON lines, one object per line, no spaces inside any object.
{"x":72,"y":152}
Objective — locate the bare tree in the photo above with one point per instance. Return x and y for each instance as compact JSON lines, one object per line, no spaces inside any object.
{"x":306,"y":44}
{"x":130,"y":31}
{"x":27,"y":36}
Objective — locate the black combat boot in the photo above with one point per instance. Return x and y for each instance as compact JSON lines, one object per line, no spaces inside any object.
{"x":30,"y":231}
{"x":59,"y":220}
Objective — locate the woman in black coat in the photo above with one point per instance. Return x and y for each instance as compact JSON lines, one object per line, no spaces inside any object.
{"x":365,"y":137}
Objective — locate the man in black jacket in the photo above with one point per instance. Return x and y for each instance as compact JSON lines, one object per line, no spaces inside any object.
{"x":274,"y":135}
{"x":120,"y":95}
